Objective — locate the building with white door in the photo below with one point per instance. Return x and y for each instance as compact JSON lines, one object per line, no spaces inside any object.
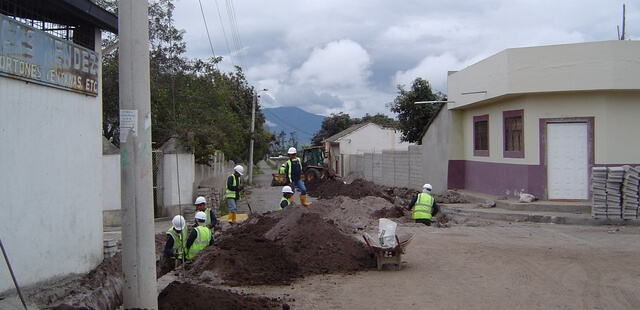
{"x":537,"y":119}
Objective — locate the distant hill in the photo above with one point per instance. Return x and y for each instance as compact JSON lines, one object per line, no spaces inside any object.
{"x":293,"y":119}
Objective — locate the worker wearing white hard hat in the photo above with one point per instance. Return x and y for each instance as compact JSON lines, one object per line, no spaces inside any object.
{"x":232,"y":194}
{"x":210,"y":219}
{"x":200,"y":236}
{"x":424,"y":206}
{"x":287,"y":197}
{"x":176,"y":239}
{"x":293,"y":174}
{"x":281,"y":169}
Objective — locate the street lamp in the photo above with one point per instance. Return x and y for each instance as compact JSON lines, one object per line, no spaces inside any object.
{"x":253,"y":123}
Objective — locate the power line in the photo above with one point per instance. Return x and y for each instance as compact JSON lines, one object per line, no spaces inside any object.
{"x":225,"y":34}
{"x":208,"y":36}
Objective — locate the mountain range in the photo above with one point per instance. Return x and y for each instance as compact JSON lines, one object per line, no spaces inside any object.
{"x":293,"y":119}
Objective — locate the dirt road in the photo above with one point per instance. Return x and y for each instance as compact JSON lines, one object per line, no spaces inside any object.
{"x":490,"y":266}
{"x":481,"y":264}
{"x":309,"y":259}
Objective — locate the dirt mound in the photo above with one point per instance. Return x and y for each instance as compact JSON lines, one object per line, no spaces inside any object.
{"x":278,"y":248}
{"x":187,"y":296}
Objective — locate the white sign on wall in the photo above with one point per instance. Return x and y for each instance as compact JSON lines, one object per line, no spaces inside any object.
{"x":31,"y":54}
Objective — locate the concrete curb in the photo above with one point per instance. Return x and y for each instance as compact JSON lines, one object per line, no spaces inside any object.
{"x":524,"y":216}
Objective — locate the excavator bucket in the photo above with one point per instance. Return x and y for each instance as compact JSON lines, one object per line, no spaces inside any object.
{"x":279,"y":179}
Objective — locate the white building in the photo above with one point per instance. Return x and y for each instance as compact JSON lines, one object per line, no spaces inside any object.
{"x":50,"y":134}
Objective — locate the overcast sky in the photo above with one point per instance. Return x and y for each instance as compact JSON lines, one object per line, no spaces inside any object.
{"x":331,"y":56}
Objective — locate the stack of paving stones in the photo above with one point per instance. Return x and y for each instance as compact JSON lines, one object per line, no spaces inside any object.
{"x":598,"y":190}
{"x":615,"y":175}
{"x":630,"y":195}
{"x":110,"y":247}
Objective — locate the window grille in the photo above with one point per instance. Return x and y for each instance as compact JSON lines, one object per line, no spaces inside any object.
{"x":42,"y":15}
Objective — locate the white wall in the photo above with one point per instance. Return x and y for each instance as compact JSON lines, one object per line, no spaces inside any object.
{"x":51,"y":163}
{"x":172,"y":197}
{"x":369,"y":138}
{"x":111,"y":198}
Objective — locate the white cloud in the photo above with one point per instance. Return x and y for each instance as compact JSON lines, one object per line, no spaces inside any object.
{"x":334,"y":56}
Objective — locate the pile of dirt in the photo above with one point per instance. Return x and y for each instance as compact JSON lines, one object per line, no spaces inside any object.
{"x":359,"y":188}
{"x":278,"y":248}
{"x":188,"y":296}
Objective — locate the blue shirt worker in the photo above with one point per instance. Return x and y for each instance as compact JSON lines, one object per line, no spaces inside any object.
{"x":176,"y":239}
{"x":200,"y":236}
{"x":293,"y":173}
{"x":211,"y":220}
{"x":233,"y":191}
{"x":287,"y":197}
{"x":424,"y":206}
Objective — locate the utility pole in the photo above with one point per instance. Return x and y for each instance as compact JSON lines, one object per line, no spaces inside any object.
{"x":253,"y":123}
{"x":138,"y":234}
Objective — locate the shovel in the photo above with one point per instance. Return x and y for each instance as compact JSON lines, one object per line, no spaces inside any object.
{"x":248,"y":204}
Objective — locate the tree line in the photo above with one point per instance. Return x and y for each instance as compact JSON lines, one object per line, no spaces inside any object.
{"x":207,"y":110}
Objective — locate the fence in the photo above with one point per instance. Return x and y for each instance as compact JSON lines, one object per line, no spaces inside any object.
{"x":396,"y":168}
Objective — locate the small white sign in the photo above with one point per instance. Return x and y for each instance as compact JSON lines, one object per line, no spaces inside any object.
{"x":128,"y":123}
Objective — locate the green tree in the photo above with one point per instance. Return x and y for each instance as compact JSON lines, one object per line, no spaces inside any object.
{"x":205,"y":109}
{"x":379,"y":119}
{"x":413,"y":118}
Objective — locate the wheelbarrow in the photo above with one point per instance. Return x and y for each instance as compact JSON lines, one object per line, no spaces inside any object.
{"x":388,"y":255}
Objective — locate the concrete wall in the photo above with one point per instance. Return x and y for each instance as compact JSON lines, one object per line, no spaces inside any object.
{"x":369,"y":138}
{"x":51,"y":164}
{"x":111,"y":198}
{"x":396,"y":168}
{"x":435,"y":153}
{"x":178,"y":181}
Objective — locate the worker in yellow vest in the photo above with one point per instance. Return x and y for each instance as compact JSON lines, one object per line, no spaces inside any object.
{"x":287,"y":197}
{"x":281,"y":170}
{"x":176,"y":239}
{"x":293,"y":173}
{"x":233,"y":192}
{"x":200,"y":236}
{"x":424,"y":206}
{"x":211,"y":220}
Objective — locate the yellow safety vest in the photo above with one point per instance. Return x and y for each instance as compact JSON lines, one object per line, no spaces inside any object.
{"x":207,"y":211}
{"x":283,"y":199}
{"x":179,"y":240}
{"x":422,"y":208}
{"x":201,"y":242}
{"x":289,"y":163}
{"x":229,"y":193}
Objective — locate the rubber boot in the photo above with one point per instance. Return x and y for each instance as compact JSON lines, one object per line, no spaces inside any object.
{"x":232,"y":217}
{"x":303,"y":200}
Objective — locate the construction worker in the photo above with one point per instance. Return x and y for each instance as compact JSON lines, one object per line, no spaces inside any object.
{"x":211,"y":220}
{"x":176,"y":238}
{"x":200,"y":236}
{"x":424,"y":206}
{"x":233,"y":191}
{"x":281,"y":170}
{"x":293,"y":173}
{"x":287,"y":197}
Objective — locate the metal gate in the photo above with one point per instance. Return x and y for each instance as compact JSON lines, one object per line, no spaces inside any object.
{"x":158,"y":184}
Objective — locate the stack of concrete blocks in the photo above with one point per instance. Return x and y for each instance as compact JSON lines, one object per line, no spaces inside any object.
{"x":615,"y":175}
{"x":110,"y":247}
{"x":598,"y":190}
{"x":630,"y":195}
